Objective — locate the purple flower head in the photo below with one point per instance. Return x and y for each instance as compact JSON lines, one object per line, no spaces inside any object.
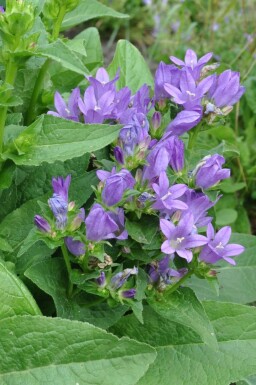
{"x":42,"y":224}
{"x":97,"y":106}
{"x":121,"y":278}
{"x":191,"y":63}
{"x":160,"y":271}
{"x":2,"y":9}
{"x":101,"y":83}
{"x":59,"y":207}
{"x":128,"y":294}
{"x":141,"y":100}
{"x":226,"y":89}
{"x":101,"y":281}
{"x":76,"y":248}
{"x":157,"y":161}
{"x":198,"y":205}
{"x":180,"y":238}
{"x":165,"y":73}
{"x":115,"y":186}
{"x":121,"y":103}
{"x":209,"y":172}
{"x":189,"y":94}
{"x":61,"y":186}
{"x":119,"y":154}
{"x":134,"y":133}
{"x":166,"y":197}
{"x":67,"y":111}
{"x":218,"y":248}
{"x":175,"y":147}
{"x":184,"y":121}
{"x":101,"y":224}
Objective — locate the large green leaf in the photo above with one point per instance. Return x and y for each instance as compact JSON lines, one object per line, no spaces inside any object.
{"x":183,"y":358}
{"x":91,"y":38}
{"x":237,"y":283}
{"x":14,"y":296}
{"x":183,"y":307}
{"x":60,"y":52}
{"x":51,"y":277}
{"x":134,"y":71}
{"x":87,"y":10}
{"x":37,"y":350}
{"x":143,"y":231}
{"x":50,"y":139}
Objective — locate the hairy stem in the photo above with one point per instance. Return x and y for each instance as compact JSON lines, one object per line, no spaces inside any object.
{"x":11,"y":71}
{"x":31,"y":112}
{"x":68,"y":266}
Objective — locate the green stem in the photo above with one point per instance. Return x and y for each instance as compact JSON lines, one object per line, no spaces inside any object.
{"x":174,"y":287}
{"x":11,"y":71}
{"x":68,"y":266}
{"x":31,"y":112}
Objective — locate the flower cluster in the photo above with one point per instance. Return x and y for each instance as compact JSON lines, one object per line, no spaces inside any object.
{"x":149,"y":177}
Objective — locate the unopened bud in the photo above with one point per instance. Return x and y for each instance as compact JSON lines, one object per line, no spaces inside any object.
{"x":156,"y":120}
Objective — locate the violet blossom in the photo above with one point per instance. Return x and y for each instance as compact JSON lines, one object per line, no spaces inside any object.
{"x":166,"y":197}
{"x":165,"y":73}
{"x":59,"y":201}
{"x":191,"y":62}
{"x":42,"y":224}
{"x":181,"y":238}
{"x":218,"y":248}
{"x":75,"y":247}
{"x":119,"y":279}
{"x":67,"y":111}
{"x":209,"y":171}
{"x":160,"y":271}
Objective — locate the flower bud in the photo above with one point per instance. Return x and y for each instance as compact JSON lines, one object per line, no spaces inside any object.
{"x":76,"y":248}
{"x":156,"y":120}
{"x":18,"y":18}
{"x":128,"y":294}
{"x":42,"y":224}
{"x":51,"y":9}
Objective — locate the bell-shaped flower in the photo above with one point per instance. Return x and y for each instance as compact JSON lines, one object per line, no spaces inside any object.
{"x":67,"y":111}
{"x":119,"y":279}
{"x":75,"y":247}
{"x":61,"y":186}
{"x":166,"y":197}
{"x":184,"y":121}
{"x":160,"y":271}
{"x":191,"y":63}
{"x":226,"y":89}
{"x":42,"y":224}
{"x":181,"y":238}
{"x":165,"y":73}
{"x":209,"y":171}
{"x":218,"y":248}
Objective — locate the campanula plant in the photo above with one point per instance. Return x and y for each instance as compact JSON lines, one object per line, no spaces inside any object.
{"x":108,"y":223}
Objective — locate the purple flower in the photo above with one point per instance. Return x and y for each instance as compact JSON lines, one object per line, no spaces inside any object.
{"x":165,"y":73}
{"x":69,"y":111}
{"x":59,"y":207}
{"x":198,"y":204}
{"x":226,"y":89}
{"x":119,"y":154}
{"x":42,"y":224}
{"x":101,"y":224}
{"x":156,"y":120}
{"x":160,"y":271}
{"x":76,"y":248}
{"x":157,"y":161}
{"x":191,"y":62}
{"x":141,"y":100}
{"x":130,"y":293}
{"x":2,"y":9}
{"x":218,"y":247}
{"x":61,"y":186}
{"x":184,"y":121}
{"x":176,"y":152}
{"x":209,"y":172}
{"x":180,"y":238}
{"x":101,"y":280}
{"x":121,"y":278}
{"x":115,"y":186}
{"x":189,"y":94}
{"x":166,"y":197}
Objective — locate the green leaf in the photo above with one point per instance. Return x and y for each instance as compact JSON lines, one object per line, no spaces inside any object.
{"x":225,"y":217}
{"x":62,"y":352}
{"x":15,"y":297}
{"x":60,"y":52}
{"x":51,"y":277}
{"x":50,"y":139}
{"x":134,"y":71}
{"x":182,"y":358}
{"x":4,"y":245}
{"x":237,"y":283}
{"x":229,"y":186}
{"x":6,"y":175}
{"x":250,"y":94}
{"x":143,"y":231}
{"x":87,"y":10}
{"x":91,"y":38}
{"x":183,"y":307}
